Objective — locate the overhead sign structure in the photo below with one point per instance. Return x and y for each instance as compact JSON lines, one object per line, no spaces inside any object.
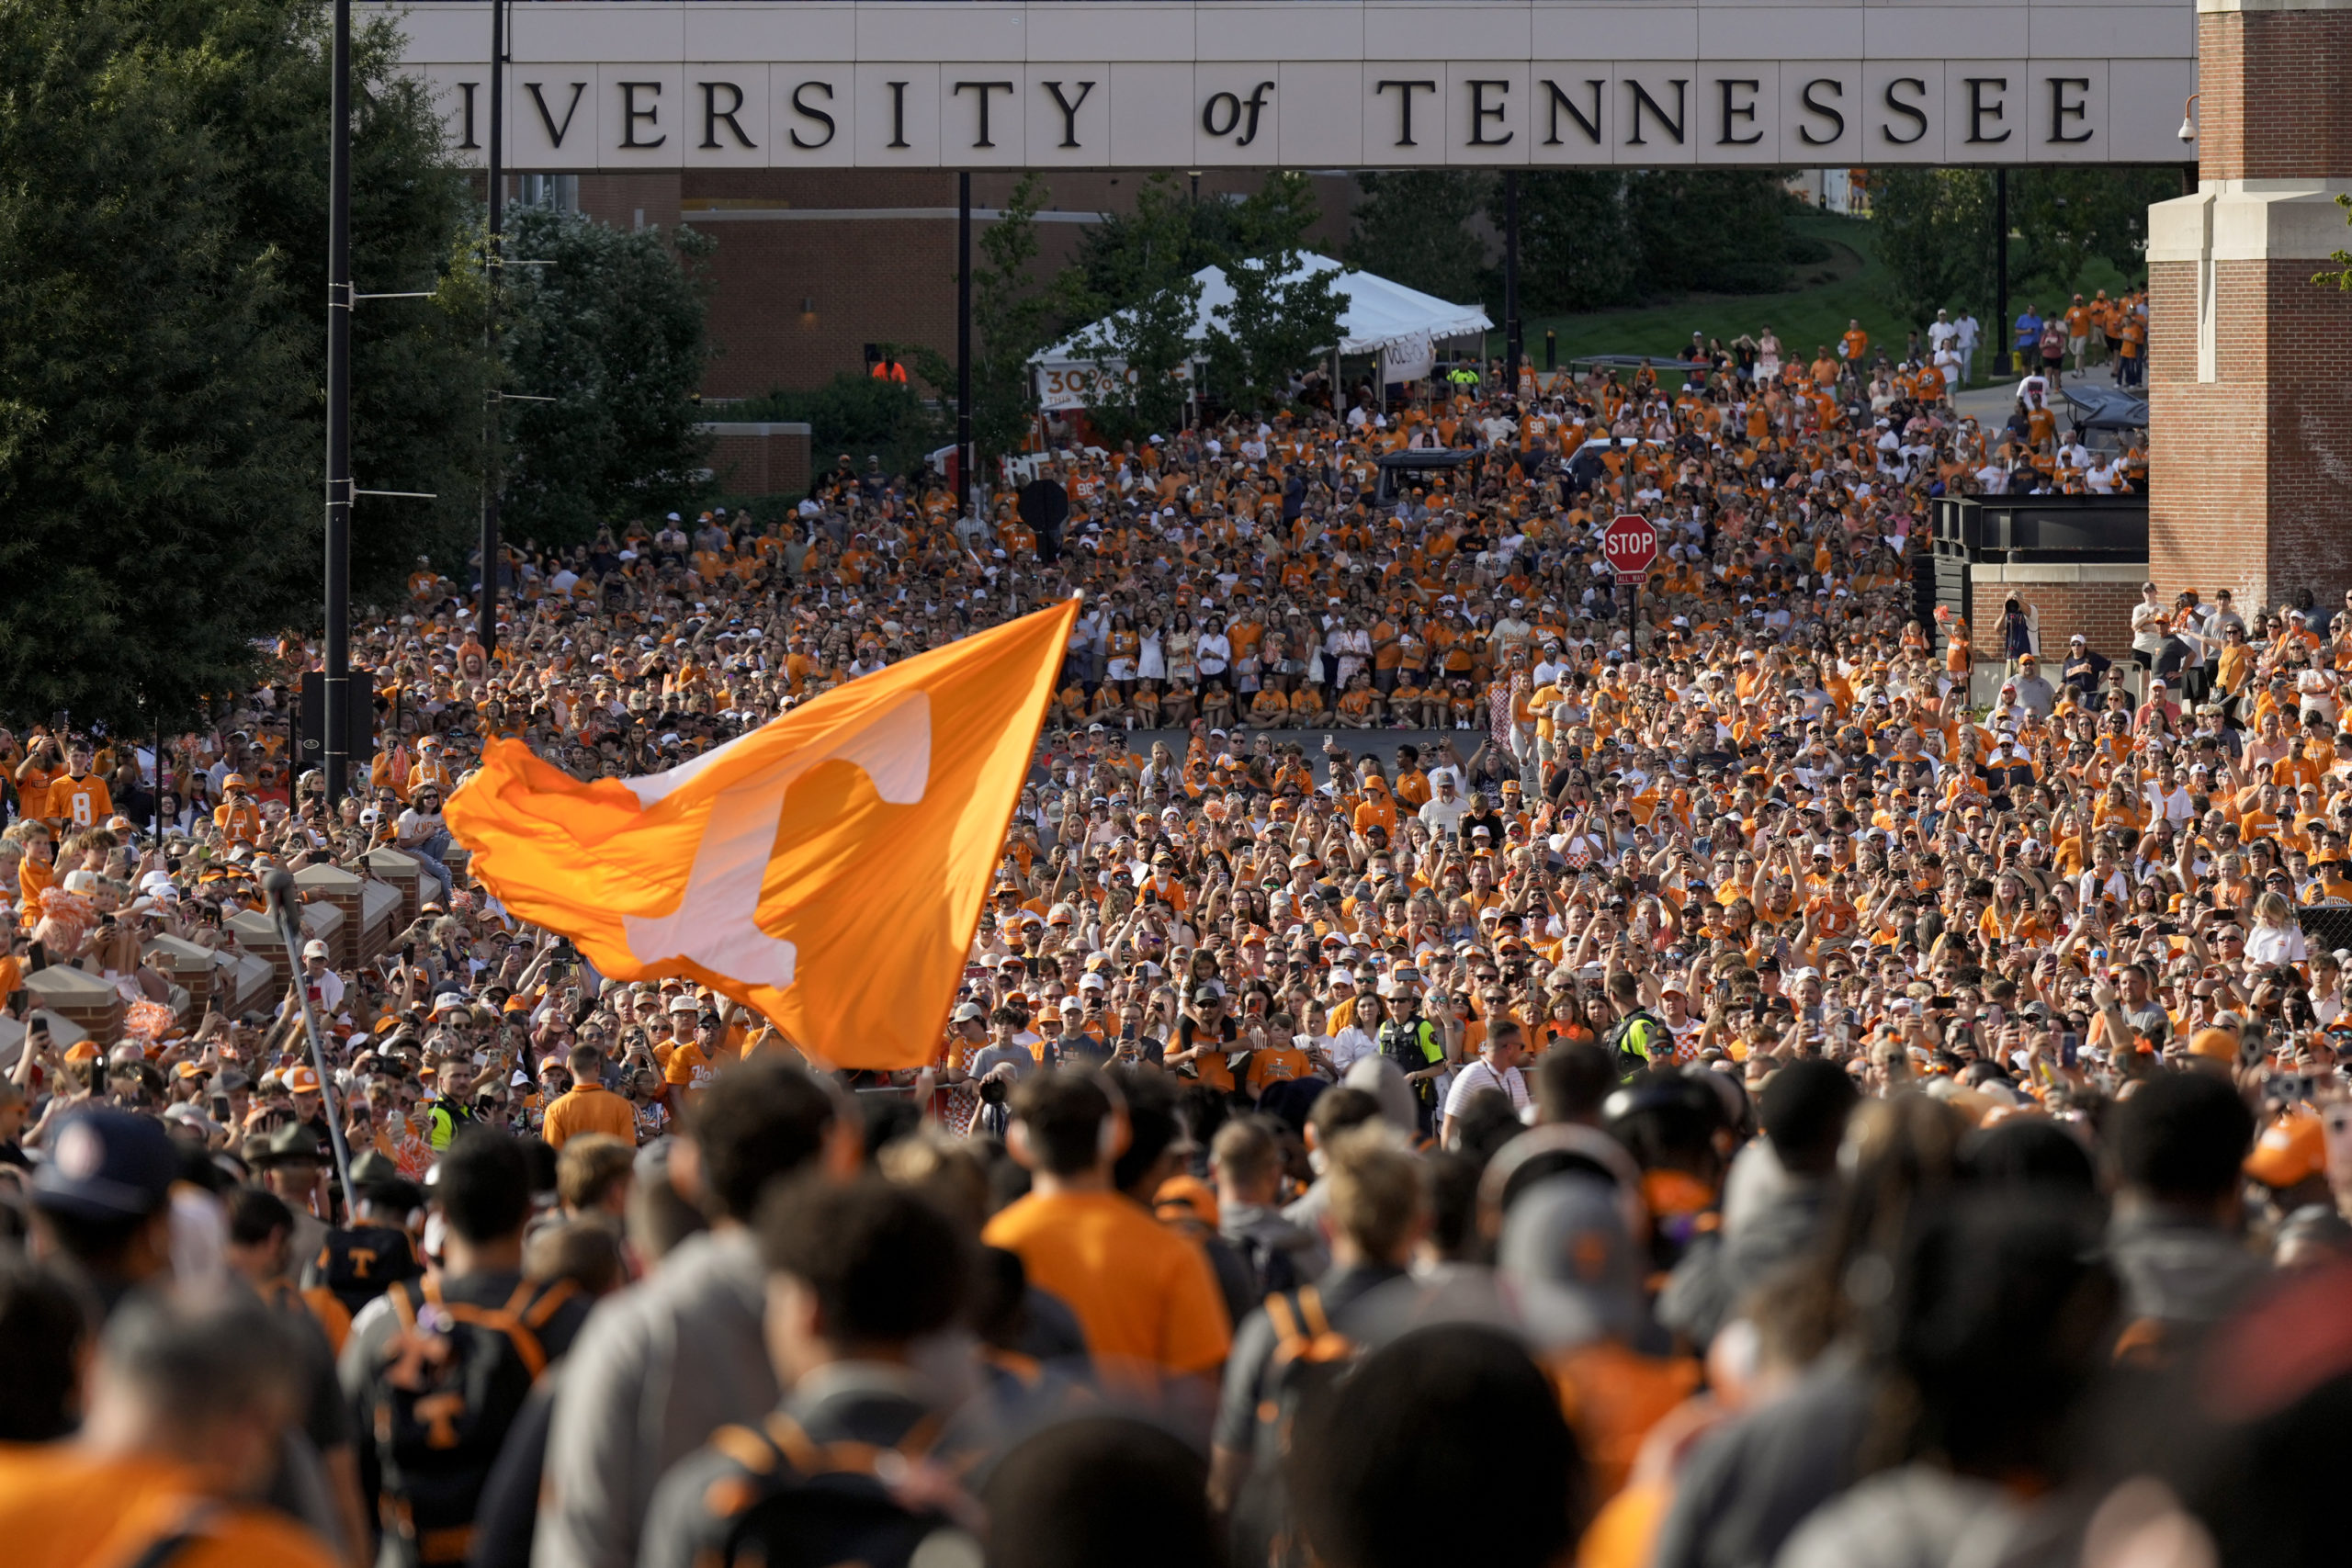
{"x":648,"y":85}
{"x":1630,"y":546}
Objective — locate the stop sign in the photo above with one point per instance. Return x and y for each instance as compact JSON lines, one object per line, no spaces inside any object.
{"x":1630,"y":543}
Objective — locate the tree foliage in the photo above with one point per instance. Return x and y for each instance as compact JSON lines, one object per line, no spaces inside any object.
{"x":1575,"y":244}
{"x":1936,"y":232}
{"x":857,"y":415}
{"x":162,"y":258}
{"x":614,"y":330}
{"x":2339,"y":280}
{"x":1135,"y":280}
{"x":1274,"y":325}
{"x":1710,"y":231}
{"x":2061,"y":218}
{"x":1414,"y":226}
{"x":1594,"y":239}
{"x":1012,"y":317}
{"x":1935,"y":238}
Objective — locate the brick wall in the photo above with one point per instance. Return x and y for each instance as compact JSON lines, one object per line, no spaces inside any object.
{"x":2100,"y":610}
{"x":795,"y":301}
{"x":2250,"y":474}
{"x":760,"y":459}
{"x":2275,"y":95}
{"x":630,"y":201}
{"x":2250,"y":482}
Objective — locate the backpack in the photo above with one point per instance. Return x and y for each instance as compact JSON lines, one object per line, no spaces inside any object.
{"x":1636,"y":1040}
{"x":448,"y":1385}
{"x":359,"y":1263}
{"x":819,"y":1503}
{"x":1310,"y":1359}
{"x":1273,"y":1270}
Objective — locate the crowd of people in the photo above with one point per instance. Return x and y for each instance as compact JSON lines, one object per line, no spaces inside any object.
{"x":1445,"y":1071}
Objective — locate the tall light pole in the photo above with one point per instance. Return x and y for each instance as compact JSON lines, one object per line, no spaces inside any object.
{"x":963,"y":334}
{"x":495,"y":270}
{"x":2004,"y":341}
{"x":338,"y":682}
{"x":1512,"y":345}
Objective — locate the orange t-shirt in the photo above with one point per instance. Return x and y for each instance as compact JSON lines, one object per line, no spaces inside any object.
{"x":589,"y":1109}
{"x":1145,"y":1295}
{"x":238,"y":820}
{"x":62,"y":1508}
{"x":84,"y":802}
{"x":32,"y":790}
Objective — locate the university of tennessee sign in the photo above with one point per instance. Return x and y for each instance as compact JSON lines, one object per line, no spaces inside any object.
{"x":622,"y":84}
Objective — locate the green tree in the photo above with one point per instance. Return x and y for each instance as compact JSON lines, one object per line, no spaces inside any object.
{"x":1575,"y":240}
{"x":1275,"y":216}
{"x":858,"y":414}
{"x":1013,"y":318}
{"x":1936,"y":237}
{"x":2339,"y":280}
{"x":1413,"y":225}
{"x":1934,"y":229}
{"x":1139,"y":354}
{"x":1134,"y":281}
{"x":2061,"y":218}
{"x":1709,"y":231}
{"x":162,"y":304}
{"x":1130,"y":255}
{"x":614,"y":330}
{"x":1591,"y":239}
{"x":1281,"y":319}
{"x":419,"y":367}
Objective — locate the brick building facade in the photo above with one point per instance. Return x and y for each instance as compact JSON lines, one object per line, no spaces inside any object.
{"x":760,"y":458}
{"x":2093,"y":599}
{"x":812,"y":266}
{"x":2250,"y":363}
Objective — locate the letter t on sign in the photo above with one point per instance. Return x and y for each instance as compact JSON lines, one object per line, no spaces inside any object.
{"x":1404,"y":119}
{"x":984,"y":89}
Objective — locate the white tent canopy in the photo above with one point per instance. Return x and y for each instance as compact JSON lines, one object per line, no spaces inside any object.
{"x":1402,"y":325}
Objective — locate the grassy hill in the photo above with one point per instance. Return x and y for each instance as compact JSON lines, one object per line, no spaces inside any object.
{"x":1828,"y":295}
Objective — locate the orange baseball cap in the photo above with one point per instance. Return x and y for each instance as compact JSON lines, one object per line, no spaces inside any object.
{"x":2292,"y":1149}
{"x":2217,"y":1044}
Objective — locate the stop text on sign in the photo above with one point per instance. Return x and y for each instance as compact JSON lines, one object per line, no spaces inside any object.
{"x":1630,"y":545}
{"x":897,"y":84}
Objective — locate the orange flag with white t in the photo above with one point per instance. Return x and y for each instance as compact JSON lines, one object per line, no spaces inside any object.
{"x":826,"y":869}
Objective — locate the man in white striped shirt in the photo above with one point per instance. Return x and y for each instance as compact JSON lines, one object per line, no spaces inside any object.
{"x":1497,"y":1068}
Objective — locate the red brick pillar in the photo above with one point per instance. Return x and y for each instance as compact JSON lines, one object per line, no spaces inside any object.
{"x":2250,"y":363}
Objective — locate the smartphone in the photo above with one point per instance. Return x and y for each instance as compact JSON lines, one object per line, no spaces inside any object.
{"x":2070,"y":1046}
{"x":17,"y":999}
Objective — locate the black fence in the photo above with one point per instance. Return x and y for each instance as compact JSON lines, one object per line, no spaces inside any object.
{"x":1999,"y":530}
{"x":2043,"y":527}
{"x":2326,"y":926}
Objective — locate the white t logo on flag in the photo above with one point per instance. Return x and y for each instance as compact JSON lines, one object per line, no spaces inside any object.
{"x":714,"y":925}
